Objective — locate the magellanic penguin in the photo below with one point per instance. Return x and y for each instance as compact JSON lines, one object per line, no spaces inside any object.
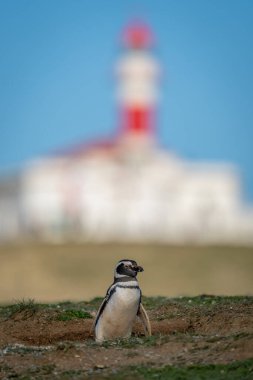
{"x":121,"y":305}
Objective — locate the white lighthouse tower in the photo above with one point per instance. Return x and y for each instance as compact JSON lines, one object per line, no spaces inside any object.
{"x":137,"y":76}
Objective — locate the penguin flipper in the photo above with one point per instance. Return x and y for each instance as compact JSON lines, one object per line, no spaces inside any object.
{"x":101,"y":308}
{"x":142,"y":314}
{"x":110,"y":291}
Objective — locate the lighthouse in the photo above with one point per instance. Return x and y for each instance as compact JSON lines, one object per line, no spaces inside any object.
{"x":137,"y":85}
{"x":127,"y":188}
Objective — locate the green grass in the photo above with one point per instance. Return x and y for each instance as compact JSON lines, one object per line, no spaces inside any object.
{"x":70,"y":310}
{"x":65,"y":310}
{"x":68,"y":315}
{"x":201,"y":300}
{"x":241,"y":370}
{"x":210,"y":300}
{"x":154,"y":302}
{"x":234,"y":371}
{"x":180,"y":306}
{"x":27,"y":307}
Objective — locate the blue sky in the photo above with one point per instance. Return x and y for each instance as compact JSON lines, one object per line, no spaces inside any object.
{"x":56,"y":76}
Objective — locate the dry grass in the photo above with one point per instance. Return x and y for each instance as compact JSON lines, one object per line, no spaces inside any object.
{"x":77,"y":272}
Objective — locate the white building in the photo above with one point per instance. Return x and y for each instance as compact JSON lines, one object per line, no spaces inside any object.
{"x":128,"y":189}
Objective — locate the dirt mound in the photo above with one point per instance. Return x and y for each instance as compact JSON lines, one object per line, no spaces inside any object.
{"x":43,"y":327}
{"x":221,"y":320}
{"x":60,"y":339}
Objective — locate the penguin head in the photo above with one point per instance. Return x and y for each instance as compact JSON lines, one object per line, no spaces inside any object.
{"x":127,"y":268}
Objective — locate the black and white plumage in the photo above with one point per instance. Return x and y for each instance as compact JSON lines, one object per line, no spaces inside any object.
{"x":121,"y":305}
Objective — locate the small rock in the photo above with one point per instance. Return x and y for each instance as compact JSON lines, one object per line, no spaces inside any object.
{"x":99,"y":366}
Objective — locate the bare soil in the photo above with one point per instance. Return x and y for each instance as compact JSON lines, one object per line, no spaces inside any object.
{"x":36,"y":343}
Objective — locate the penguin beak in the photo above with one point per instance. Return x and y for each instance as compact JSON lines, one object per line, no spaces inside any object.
{"x":139,"y":269}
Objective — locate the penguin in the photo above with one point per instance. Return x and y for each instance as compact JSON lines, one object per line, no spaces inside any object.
{"x":121,"y":305}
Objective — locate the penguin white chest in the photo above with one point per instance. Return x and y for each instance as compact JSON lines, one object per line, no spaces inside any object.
{"x":125,"y":297}
{"x":119,"y":314}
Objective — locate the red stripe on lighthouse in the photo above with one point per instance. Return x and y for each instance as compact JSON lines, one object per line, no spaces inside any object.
{"x":137,"y":120}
